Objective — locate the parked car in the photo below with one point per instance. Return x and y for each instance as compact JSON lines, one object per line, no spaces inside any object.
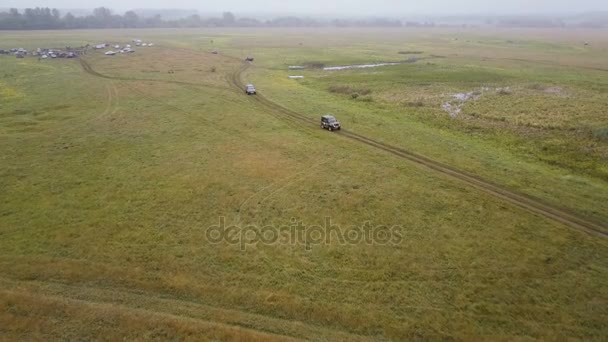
{"x":249,"y":59}
{"x":250,"y":90}
{"x":330,"y":123}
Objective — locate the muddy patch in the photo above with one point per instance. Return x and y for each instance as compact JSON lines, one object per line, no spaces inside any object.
{"x":547,"y":90}
{"x":454,"y":106}
{"x":554,"y":90}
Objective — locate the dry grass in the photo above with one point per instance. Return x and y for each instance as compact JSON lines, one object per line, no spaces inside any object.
{"x":25,"y":316}
{"x":108,"y":187}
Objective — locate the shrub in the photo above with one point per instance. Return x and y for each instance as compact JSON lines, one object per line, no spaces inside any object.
{"x":354,"y":96}
{"x":601,"y":133}
{"x":213,"y":69}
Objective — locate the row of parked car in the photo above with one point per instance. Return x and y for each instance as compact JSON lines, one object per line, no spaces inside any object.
{"x":41,"y":53}
{"x":125,"y":50}
{"x":19,"y":53}
{"x":57,"y":54}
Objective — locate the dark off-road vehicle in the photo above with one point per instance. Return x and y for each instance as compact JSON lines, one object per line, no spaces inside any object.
{"x":250,"y":90}
{"x":330,"y":123}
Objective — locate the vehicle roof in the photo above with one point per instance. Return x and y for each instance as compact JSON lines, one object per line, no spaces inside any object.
{"x":328,"y":117}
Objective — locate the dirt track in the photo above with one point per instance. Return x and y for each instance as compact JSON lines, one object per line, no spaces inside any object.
{"x":532,"y":204}
{"x":295,"y":120}
{"x":88,"y":69}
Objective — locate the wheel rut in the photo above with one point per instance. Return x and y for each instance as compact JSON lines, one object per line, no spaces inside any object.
{"x":523,"y":201}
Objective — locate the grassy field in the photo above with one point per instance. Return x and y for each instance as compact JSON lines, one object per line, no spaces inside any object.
{"x":113,"y":169}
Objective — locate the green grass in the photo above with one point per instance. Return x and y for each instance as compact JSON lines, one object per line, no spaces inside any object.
{"x":108,"y":187}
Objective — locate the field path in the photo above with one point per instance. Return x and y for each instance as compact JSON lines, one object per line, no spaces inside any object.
{"x":529,"y":203}
{"x":114,"y":301}
{"x":89,"y":70}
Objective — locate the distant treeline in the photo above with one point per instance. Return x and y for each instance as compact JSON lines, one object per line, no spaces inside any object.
{"x":49,"y":19}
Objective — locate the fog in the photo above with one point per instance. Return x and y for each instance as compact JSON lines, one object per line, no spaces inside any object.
{"x":336,"y":7}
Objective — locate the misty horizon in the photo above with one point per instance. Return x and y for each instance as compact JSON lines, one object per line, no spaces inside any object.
{"x":392,"y":8}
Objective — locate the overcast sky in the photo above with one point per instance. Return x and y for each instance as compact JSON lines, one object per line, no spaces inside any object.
{"x":328,"y":7}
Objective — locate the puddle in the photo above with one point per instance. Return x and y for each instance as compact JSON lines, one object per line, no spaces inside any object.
{"x":364,"y":66}
{"x":359,"y":66}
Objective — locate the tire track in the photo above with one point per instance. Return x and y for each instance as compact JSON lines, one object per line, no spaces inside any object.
{"x":146,"y":303}
{"x":529,"y":203}
{"x":113,"y":102}
{"x":293,"y":121}
{"x":89,"y":69}
{"x":131,"y":84}
{"x":275,"y":188}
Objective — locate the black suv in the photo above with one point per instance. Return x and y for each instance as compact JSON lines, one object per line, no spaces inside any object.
{"x":329,"y":122}
{"x":250,"y":90}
